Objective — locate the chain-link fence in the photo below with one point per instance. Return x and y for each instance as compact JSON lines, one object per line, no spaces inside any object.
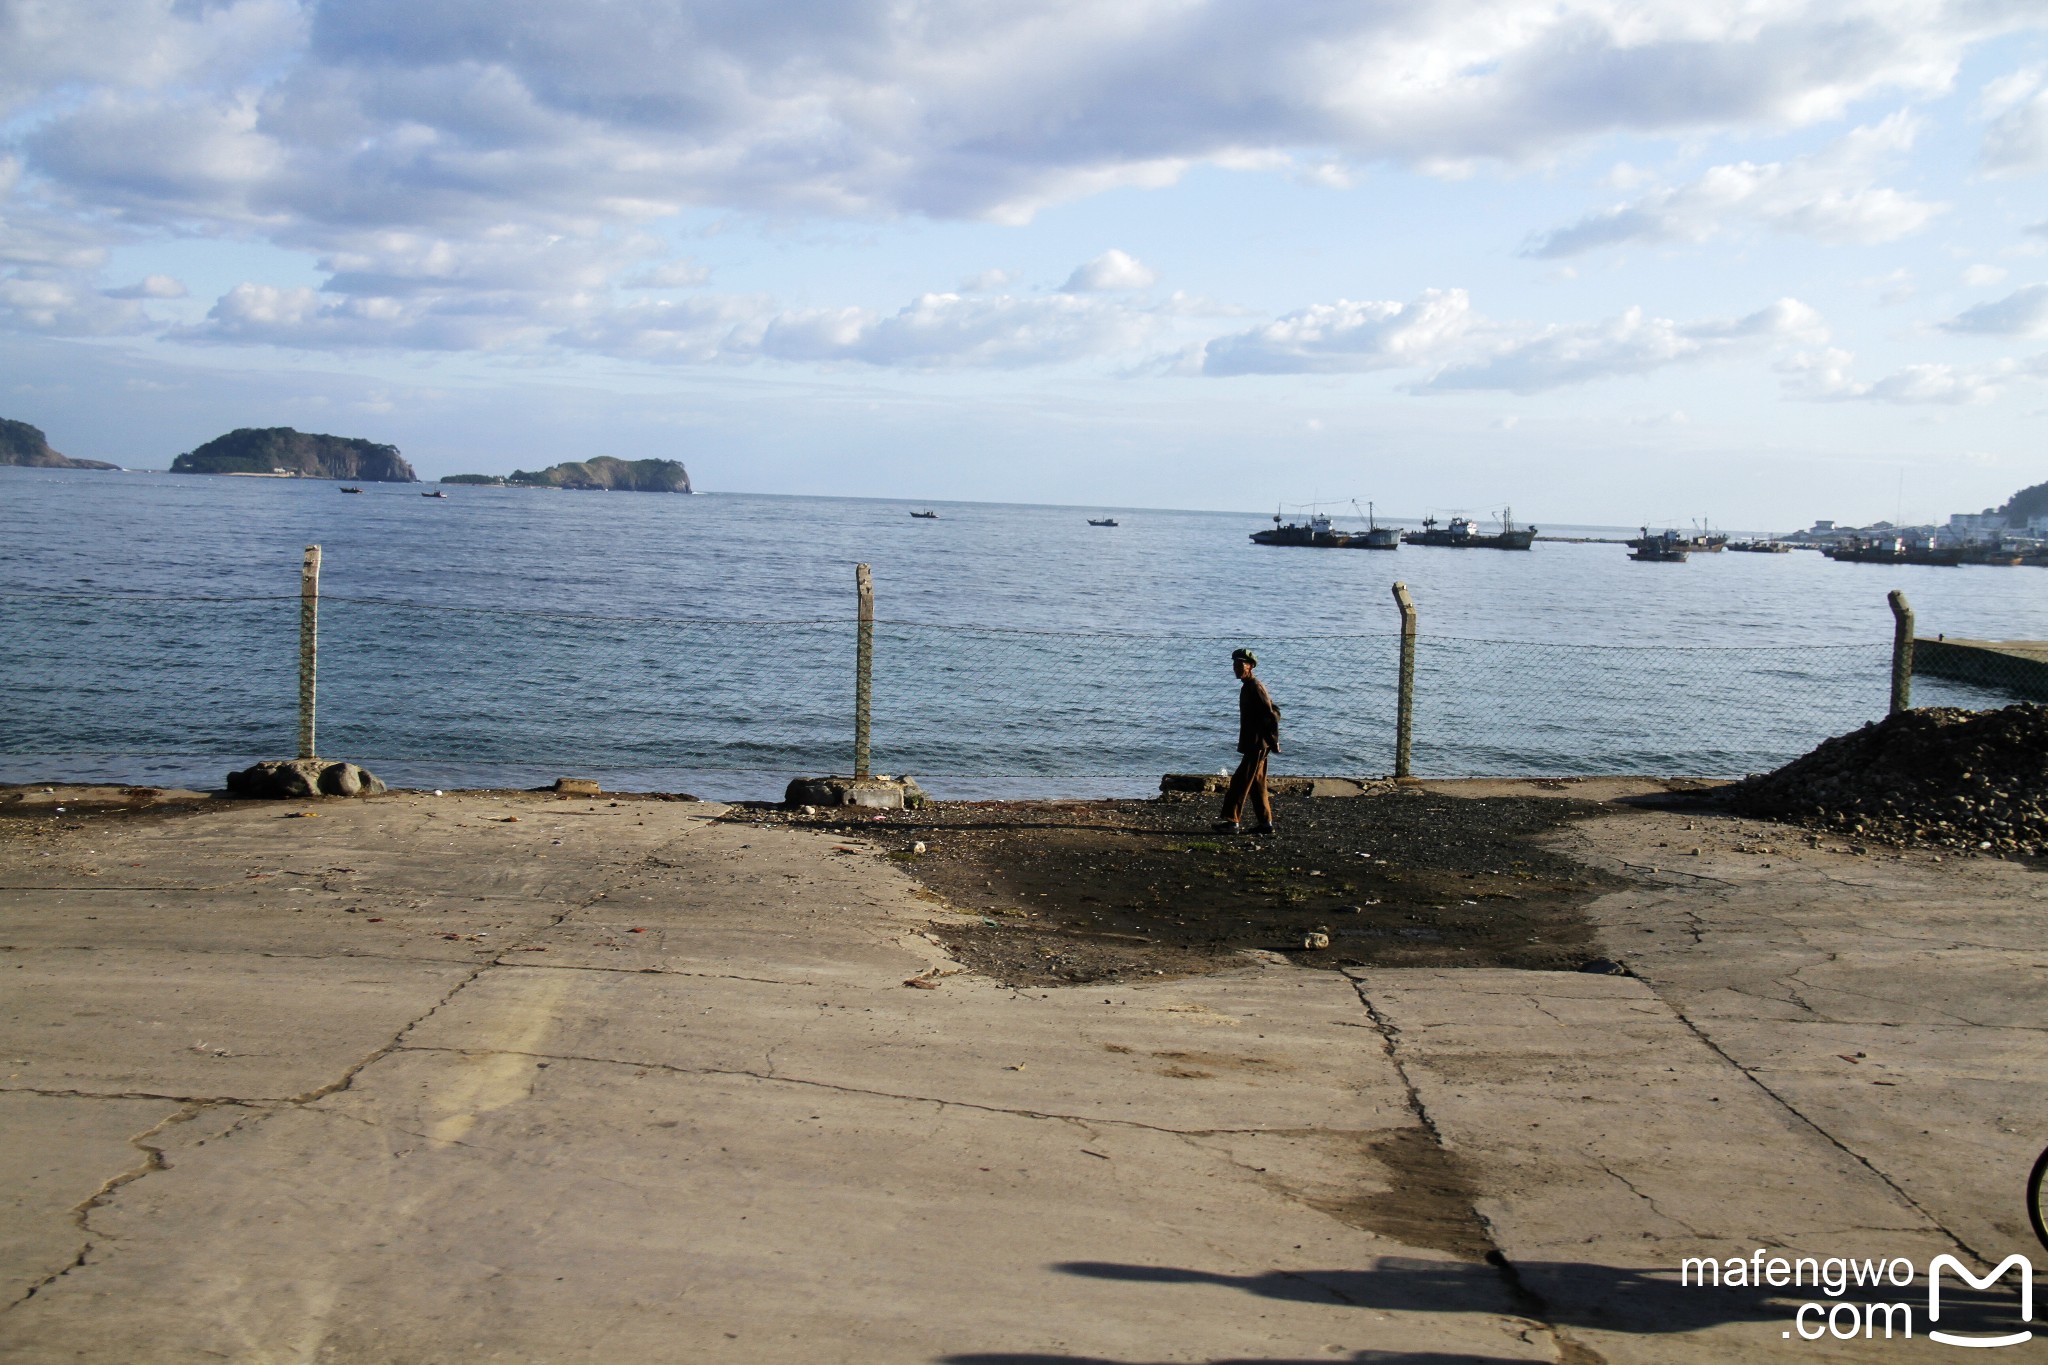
{"x":155,"y":689}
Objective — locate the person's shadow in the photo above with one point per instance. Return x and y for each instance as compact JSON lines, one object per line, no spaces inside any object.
{"x":1563,"y":1294}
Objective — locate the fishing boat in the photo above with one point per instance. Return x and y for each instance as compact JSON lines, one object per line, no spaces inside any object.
{"x":926,"y":516}
{"x":1894,"y":550}
{"x":1316,"y":532}
{"x":1376,"y":536}
{"x":351,"y":490}
{"x":1106,"y":521}
{"x":1319,"y":532}
{"x":1760,"y":547}
{"x":1666,"y":547}
{"x":437,"y":493}
{"x":1460,"y":534}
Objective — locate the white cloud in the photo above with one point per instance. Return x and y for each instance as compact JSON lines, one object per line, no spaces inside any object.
{"x":1629,"y":344}
{"x":151,"y":287}
{"x":53,"y":45}
{"x":2016,"y":134}
{"x":1983,"y":276}
{"x":56,"y":305}
{"x":1345,"y":337}
{"x":1893,"y":287}
{"x":1830,"y":196}
{"x":1112,"y":270}
{"x":987,"y":281}
{"x":2024,"y":312}
{"x":935,"y":331}
{"x":430,"y":114}
{"x":487,"y":171}
{"x":1823,"y":376}
{"x":309,"y":319}
{"x":670,"y":275}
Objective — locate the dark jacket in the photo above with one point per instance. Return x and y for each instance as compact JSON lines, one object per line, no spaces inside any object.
{"x":1258,"y":719}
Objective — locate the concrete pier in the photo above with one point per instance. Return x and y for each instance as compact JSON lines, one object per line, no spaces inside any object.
{"x":2016,"y":666}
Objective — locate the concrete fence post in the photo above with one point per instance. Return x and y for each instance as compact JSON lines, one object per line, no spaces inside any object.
{"x":1404,"y":714}
{"x":1902,"y":652}
{"x":309,"y":647}
{"x":864,"y":667}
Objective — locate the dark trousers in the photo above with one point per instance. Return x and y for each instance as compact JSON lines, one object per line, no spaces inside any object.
{"x":1249,"y":781}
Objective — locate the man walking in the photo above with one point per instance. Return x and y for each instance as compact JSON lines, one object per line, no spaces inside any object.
{"x":1258,"y":735}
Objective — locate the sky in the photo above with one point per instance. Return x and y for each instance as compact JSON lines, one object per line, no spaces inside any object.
{"x":1754,"y":262}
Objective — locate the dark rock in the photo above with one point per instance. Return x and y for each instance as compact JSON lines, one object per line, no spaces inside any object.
{"x":269,"y":450}
{"x":1603,"y":966}
{"x":873,"y":793}
{"x":297,"y":779}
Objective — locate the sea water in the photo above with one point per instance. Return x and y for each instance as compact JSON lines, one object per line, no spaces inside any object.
{"x":149,"y":632}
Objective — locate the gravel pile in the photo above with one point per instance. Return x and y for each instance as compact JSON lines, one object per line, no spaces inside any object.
{"x":1943,"y":777}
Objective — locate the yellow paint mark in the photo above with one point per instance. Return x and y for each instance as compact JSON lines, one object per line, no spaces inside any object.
{"x":499,"y":1076}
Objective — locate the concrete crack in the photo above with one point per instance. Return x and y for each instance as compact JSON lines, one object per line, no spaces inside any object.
{"x":1630,"y":1186}
{"x":152,"y":1160}
{"x":1569,"y":1350}
{"x":1830,"y":1138}
{"x":1081,"y":1120}
{"x":502,"y":961}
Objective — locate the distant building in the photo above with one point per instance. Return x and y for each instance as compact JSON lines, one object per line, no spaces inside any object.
{"x":1975,"y":528}
{"x":1822,"y":528}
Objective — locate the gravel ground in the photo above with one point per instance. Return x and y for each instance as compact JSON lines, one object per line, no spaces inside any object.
{"x":1973,"y":781}
{"x":1076,"y":892}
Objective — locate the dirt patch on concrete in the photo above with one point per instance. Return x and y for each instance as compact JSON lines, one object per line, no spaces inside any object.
{"x":1076,"y":892}
{"x":1430,"y":1203}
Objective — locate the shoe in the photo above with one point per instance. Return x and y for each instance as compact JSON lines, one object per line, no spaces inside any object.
{"x":1262,"y":829}
{"x":1225,"y":827}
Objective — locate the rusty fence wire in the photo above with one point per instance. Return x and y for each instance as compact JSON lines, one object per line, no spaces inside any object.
{"x":132,"y":688}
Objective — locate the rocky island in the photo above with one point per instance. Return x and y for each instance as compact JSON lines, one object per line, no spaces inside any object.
{"x":605,"y":472}
{"x":22,"y":444}
{"x":299,"y":454}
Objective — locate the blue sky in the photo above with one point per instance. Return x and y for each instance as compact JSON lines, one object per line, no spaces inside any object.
{"x":1756,"y":262}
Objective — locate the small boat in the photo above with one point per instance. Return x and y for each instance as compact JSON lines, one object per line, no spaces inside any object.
{"x":1667,"y":547}
{"x":437,"y":493}
{"x":351,"y":490}
{"x":1760,"y":547}
{"x":926,"y":516}
{"x":1460,"y":535}
{"x":1106,"y":521}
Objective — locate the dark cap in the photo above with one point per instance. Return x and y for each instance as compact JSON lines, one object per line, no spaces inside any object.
{"x":1244,"y":656}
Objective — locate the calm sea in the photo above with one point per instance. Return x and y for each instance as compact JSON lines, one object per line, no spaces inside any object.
{"x":148,"y":632}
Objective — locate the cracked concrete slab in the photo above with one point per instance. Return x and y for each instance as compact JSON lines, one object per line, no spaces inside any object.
{"x":57,"y":1147}
{"x":741,"y":1130}
{"x":620,"y":1083}
{"x":1611,"y":1143}
{"x":1810,"y":954}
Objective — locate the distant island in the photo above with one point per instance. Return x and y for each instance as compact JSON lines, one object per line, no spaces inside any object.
{"x":604,"y":472}
{"x":298,"y":454}
{"x":22,"y":444}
